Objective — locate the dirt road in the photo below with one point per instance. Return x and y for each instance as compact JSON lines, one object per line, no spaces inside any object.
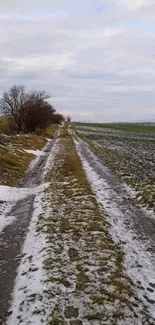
{"x":80,"y":253}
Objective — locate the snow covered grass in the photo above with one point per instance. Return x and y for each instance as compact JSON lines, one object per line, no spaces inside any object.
{"x":129,"y":154}
{"x":86,"y":279}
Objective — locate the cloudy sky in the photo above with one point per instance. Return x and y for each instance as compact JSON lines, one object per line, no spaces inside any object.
{"x":96,"y":57}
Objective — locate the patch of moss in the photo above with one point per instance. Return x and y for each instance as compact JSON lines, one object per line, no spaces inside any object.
{"x":73,"y":254}
{"x":95,"y":226}
{"x":82,"y":278}
{"x":71,"y":312}
{"x":95,"y":316}
{"x":60,"y":281}
{"x":75,"y":322}
{"x":57,"y":321}
{"x":97,"y":299}
{"x":64,"y":225}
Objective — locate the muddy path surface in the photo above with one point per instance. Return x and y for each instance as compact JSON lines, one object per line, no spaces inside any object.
{"x":130,"y":224}
{"x":12,"y":237}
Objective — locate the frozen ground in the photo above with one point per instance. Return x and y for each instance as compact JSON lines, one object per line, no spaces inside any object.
{"x":75,"y":253}
{"x":131,"y":155}
{"x":15,"y":219}
{"x":131,"y":225}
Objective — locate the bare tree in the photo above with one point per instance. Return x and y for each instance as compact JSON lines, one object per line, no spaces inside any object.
{"x":13,"y":100}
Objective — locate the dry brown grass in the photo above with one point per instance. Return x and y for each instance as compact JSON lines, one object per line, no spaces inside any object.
{"x":4,"y":125}
{"x":13,"y":164}
{"x":14,"y":160}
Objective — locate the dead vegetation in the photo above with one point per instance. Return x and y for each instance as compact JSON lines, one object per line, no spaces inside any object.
{"x":13,"y":159}
{"x":4,"y":126}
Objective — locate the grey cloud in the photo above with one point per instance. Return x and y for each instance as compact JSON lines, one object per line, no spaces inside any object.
{"x":95,"y":59}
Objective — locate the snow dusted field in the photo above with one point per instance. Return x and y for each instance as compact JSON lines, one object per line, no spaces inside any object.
{"x":130,"y":154}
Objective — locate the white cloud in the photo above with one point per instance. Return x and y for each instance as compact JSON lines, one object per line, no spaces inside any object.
{"x":52,"y":62}
{"x":134,"y":4}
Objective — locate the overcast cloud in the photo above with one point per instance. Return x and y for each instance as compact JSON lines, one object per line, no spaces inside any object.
{"x":96,"y":57}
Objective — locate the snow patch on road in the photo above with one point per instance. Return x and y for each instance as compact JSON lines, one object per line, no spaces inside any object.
{"x":14,"y":194}
{"x":5,"y":218}
{"x":50,"y":160}
{"x":37,"y":153}
{"x":139,"y":263}
{"x":10,"y":195}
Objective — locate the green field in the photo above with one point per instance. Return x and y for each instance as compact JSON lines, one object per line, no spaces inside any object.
{"x":127,"y":127}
